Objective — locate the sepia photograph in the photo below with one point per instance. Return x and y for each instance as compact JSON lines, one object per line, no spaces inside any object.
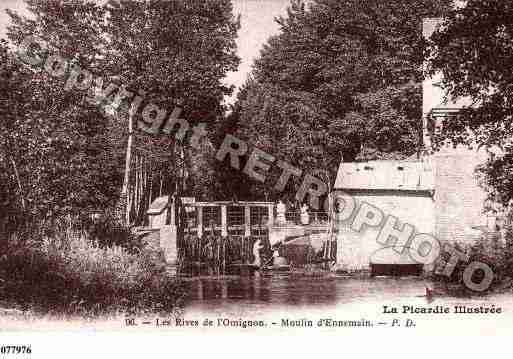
{"x":204,"y":168}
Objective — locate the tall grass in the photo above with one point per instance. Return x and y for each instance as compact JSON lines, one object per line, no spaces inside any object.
{"x":72,"y":275}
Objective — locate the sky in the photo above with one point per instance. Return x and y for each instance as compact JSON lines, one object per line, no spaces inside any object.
{"x":4,"y":18}
{"x":257,"y":25}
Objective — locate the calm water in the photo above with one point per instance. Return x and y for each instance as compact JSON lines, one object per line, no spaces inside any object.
{"x":288,"y":292}
{"x":265,"y":294}
{"x":273,"y":297}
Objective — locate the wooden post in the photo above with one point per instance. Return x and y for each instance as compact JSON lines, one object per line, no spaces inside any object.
{"x":247,"y":221}
{"x":224,"y":222}
{"x":270,"y":213}
{"x":200,"y":221}
{"x":172,"y":208}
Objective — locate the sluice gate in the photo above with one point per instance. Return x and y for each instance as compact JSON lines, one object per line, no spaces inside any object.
{"x":224,"y":238}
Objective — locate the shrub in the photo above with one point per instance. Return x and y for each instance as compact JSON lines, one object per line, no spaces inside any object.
{"x":489,"y":249}
{"x":71,"y":275}
{"x":107,"y":232}
{"x":507,"y":263}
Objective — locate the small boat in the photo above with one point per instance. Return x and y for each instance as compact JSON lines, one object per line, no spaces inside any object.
{"x":279,"y":268}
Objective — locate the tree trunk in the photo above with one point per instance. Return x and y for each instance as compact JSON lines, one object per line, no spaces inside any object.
{"x":16,"y":173}
{"x":126,"y":180}
{"x":150,"y":196}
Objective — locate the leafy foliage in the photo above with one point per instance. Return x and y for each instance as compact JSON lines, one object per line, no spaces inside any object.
{"x":473,"y":51}
{"x":341,"y":80}
{"x":69,"y":153}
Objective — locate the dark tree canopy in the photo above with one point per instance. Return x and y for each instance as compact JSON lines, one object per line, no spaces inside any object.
{"x":473,"y":51}
{"x":69,"y":153}
{"x":342,"y":80}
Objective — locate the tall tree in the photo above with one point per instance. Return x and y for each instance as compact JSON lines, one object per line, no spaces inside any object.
{"x":170,"y":51}
{"x":473,"y":51}
{"x":176,"y":51}
{"x":65,"y":164}
{"x":13,"y":94}
{"x":342,"y":80}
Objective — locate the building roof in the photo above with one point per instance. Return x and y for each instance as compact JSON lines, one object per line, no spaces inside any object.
{"x":385,"y":175}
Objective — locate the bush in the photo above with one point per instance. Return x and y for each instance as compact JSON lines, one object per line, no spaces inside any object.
{"x":507,"y":263}
{"x":108,"y":232}
{"x":73,"y":276}
{"x":489,"y":249}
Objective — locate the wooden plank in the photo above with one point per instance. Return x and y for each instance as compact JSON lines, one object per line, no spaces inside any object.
{"x":200,"y":221}
{"x":227,"y":203}
{"x":247,"y":221}
{"x":270,"y":214}
{"x":224,"y":221}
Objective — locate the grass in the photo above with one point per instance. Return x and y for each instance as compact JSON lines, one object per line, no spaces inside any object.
{"x":71,"y":275}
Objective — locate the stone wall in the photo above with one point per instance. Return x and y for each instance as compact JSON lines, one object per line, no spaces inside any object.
{"x":168,"y":239}
{"x":459,"y":199}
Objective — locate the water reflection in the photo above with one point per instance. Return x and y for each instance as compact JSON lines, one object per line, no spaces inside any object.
{"x":298,"y":291}
{"x":276,"y":297}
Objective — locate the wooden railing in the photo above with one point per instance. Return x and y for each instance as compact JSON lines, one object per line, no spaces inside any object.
{"x":238,"y":218}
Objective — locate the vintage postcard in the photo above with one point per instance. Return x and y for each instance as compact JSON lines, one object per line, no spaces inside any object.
{"x":214,"y":168}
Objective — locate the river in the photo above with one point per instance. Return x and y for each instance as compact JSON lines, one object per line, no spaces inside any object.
{"x":288,"y":291}
{"x":277,"y":297}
